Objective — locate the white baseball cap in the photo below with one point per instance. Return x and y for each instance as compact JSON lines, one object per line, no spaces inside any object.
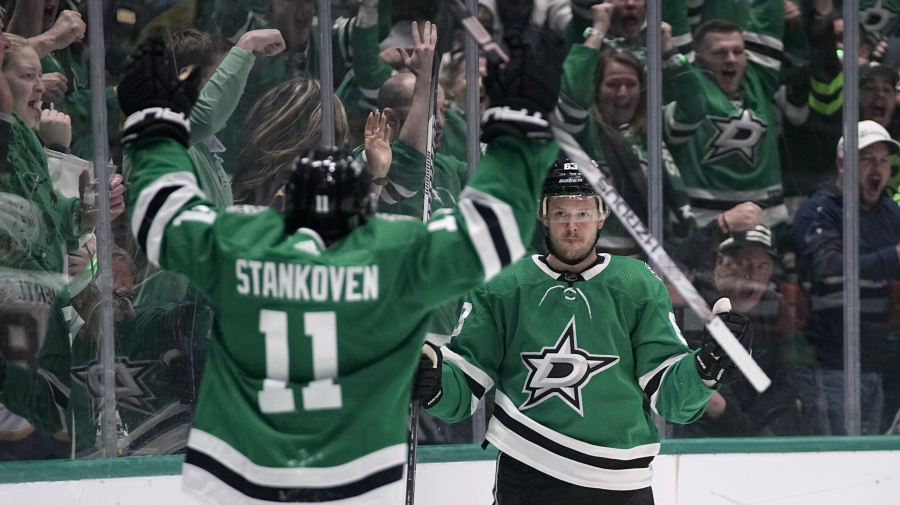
{"x":869,"y":133}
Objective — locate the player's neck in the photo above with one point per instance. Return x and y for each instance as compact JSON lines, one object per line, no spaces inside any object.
{"x":581,"y":266}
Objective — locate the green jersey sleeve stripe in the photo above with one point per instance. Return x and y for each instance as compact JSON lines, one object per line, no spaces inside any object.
{"x":650,"y":382}
{"x":156,"y":221}
{"x":148,"y":193}
{"x":478,"y":381}
{"x":492,"y":227}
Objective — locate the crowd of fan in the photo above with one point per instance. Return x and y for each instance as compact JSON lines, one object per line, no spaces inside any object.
{"x":751,"y":175}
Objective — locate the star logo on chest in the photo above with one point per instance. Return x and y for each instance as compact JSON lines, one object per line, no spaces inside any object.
{"x":739,"y":134}
{"x":562,"y":370}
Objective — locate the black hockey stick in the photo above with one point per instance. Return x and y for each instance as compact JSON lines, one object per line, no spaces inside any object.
{"x":443,"y":33}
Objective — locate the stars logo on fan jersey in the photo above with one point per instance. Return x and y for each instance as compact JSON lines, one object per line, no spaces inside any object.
{"x":131,"y":391}
{"x":739,"y":133}
{"x":562,"y":370}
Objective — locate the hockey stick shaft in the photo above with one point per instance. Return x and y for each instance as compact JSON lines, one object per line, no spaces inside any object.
{"x":414,"y":407}
{"x":658,"y":256}
{"x":411,"y":456}
{"x":432,"y":115}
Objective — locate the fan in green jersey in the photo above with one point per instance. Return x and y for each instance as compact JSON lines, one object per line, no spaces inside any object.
{"x":320,"y":316}
{"x":579,"y":347}
{"x":718,"y":123}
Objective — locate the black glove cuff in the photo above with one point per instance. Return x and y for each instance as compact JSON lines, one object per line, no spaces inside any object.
{"x":522,"y":123}
{"x":157,"y":121}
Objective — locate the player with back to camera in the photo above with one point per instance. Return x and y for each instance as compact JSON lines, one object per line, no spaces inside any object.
{"x":576,"y":343}
{"x":307,"y":386}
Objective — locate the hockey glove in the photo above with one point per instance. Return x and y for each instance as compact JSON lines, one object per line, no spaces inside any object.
{"x":154,"y":98}
{"x":427,"y":382}
{"x":522,"y":93}
{"x":711,"y":361}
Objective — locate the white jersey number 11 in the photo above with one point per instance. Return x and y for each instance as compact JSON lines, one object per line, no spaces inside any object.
{"x":322,"y":393}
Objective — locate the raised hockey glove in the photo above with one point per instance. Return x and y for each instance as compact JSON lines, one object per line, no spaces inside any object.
{"x":522,"y":93}
{"x":712,"y":362}
{"x":155,"y":99}
{"x":427,"y":382}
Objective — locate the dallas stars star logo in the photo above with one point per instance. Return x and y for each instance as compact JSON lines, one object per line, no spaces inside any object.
{"x":131,"y":391}
{"x":562,"y":370}
{"x":739,"y":134}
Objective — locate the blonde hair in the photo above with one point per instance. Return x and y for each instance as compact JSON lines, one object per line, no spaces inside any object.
{"x":16,"y":44}
{"x":284,"y":123}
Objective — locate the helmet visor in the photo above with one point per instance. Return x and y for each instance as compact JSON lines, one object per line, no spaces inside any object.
{"x":572,"y":208}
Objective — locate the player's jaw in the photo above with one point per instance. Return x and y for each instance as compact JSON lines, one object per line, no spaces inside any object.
{"x":572,"y":244}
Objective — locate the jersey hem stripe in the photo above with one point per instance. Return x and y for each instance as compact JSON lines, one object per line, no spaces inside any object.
{"x":292,"y":494}
{"x":568,"y":453}
{"x":329,"y":476}
{"x":640,"y":451}
{"x":205,"y":488}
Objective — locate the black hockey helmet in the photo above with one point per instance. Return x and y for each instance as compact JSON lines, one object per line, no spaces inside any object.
{"x":328,"y":192}
{"x":565,"y":179}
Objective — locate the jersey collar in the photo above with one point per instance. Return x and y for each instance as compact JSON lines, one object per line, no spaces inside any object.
{"x":602,"y":262}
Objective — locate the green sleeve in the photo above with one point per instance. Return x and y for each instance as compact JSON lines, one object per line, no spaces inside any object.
{"x":478,"y":349}
{"x":683,"y":84}
{"x":220,"y":96}
{"x":575,"y":90}
{"x":682,"y":395}
{"x":763,"y":39}
{"x":41,"y":395}
{"x":403,"y":194}
{"x":28,"y":394}
{"x":576,"y":94}
{"x":371,"y":72}
{"x":675,"y":13}
{"x":175,"y":225}
{"x":453,"y":143}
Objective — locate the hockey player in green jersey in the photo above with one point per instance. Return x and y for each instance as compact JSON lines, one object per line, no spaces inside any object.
{"x":579,"y":347}
{"x":321,"y":315}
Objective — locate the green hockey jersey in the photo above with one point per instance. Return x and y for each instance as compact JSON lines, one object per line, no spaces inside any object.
{"x":307,"y":385}
{"x":573,"y":357}
{"x":727,"y":147}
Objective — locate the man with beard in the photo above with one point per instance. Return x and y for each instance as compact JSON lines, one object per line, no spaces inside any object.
{"x":818,"y":232}
{"x":718,"y":123}
{"x":578,"y":344}
{"x":742,"y":269}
